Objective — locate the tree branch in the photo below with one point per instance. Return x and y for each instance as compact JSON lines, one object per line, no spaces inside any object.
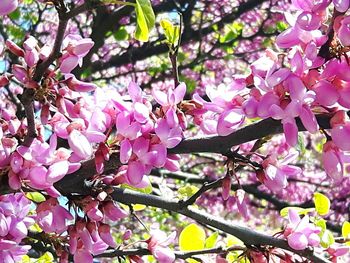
{"x":246,"y":235}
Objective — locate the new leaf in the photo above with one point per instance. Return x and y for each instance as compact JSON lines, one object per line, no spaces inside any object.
{"x":145,"y":20}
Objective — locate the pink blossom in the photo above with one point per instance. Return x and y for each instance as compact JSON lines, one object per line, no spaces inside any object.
{"x":78,"y":85}
{"x":226,"y":187}
{"x":169,"y":100}
{"x":52,"y":217}
{"x":158,"y":245}
{"x":300,"y":233}
{"x":277,"y":172}
{"x":343,"y":31}
{"x":7,"y":6}
{"x":112,"y":211}
{"x":333,"y":161}
{"x":75,"y":49}
{"x":340,"y":132}
{"x":170,"y":137}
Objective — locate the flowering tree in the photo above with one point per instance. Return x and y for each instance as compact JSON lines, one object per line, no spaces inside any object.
{"x":213,"y":131}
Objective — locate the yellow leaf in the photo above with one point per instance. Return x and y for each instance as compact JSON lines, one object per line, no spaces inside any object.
{"x":192,"y":238}
{"x":232,"y":240}
{"x":138,"y":207}
{"x":345,"y":230}
{"x":299,"y":210}
{"x":322,"y":204}
{"x":25,"y":259}
{"x":35,"y":228}
{"x":36,"y":197}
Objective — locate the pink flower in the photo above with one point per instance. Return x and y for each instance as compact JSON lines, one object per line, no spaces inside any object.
{"x":158,"y":245}
{"x":276,"y":172}
{"x":298,"y":106}
{"x":343,"y":30}
{"x":169,"y":100}
{"x":112,"y":211}
{"x":300,"y":233}
{"x":226,"y":187}
{"x":333,"y":161}
{"x":7,"y":6}
{"x":75,"y":49}
{"x":52,"y":217}
{"x":13,"y":47}
{"x":78,"y":85}
{"x":170,"y":137}
{"x":339,"y":133}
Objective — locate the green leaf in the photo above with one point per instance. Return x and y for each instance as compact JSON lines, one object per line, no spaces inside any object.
{"x":15,"y":14}
{"x":192,"y":237}
{"x":321,"y":223}
{"x":46,"y":258}
{"x":187,"y":191}
{"x":327,"y":238}
{"x":299,"y":210}
{"x":35,"y":197}
{"x":146,"y":190}
{"x":121,"y":34}
{"x":301,"y":145}
{"x":190,"y":83}
{"x":281,"y":26}
{"x":210,"y":242}
{"x":145,"y":20}
{"x":322,"y":204}
{"x":171,"y":32}
{"x":345,"y":230}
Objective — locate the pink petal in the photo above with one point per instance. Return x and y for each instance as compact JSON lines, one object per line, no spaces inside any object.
{"x":141,"y":146}
{"x":105,"y":234}
{"x":135,"y":172}
{"x":340,"y":135}
{"x":163,"y":254}
{"x":308,"y":119}
{"x":57,"y":171}
{"x":4,"y":228}
{"x":179,"y":93}
{"x":228,"y":122}
{"x":288,"y":38}
{"x":341,"y":5}
{"x":125,"y":151}
{"x":293,"y":217}
{"x":160,"y":97}
{"x":135,"y":92}
{"x":276,"y":112}
{"x":333,"y":165}
{"x":141,"y":113}
{"x":296,"y":88}
{"x":309,"y":21}
{"x":37,"y":177}
{"x":297,"y":241}
{"x":324,"y":87}
{"x":77,"y":85}
{"x":68,"y":64}
{"x":83,"y":47}
{"x":291,"y":132}
{"x":79,"y":144}
{"x":83,"y":256}
{"x":278,"y":76}
{"x":7,"y":6}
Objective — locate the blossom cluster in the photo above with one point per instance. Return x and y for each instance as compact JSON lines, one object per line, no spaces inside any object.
{"x":92,"y":122}
{"x":80,"y":121}
{"x":14,"y":224}
{"x":290,"y":86}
